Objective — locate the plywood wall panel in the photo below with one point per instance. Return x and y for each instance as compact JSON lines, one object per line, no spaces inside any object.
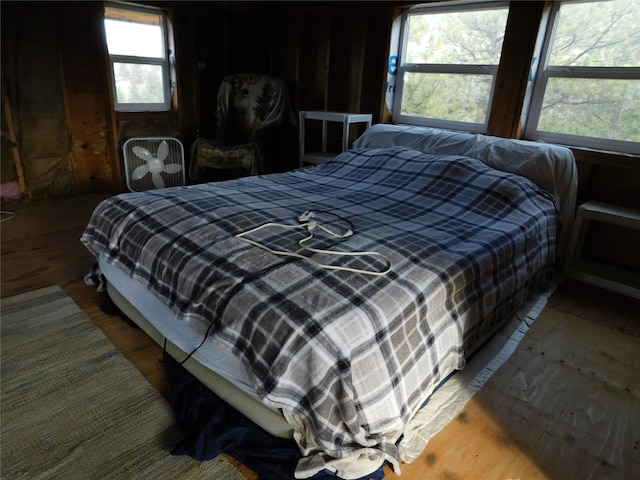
{"x":285,"y":59}
{"x":249,"y":46}
{"x":315,"y":44}
{"x":186,"y":66}
{"x":346,"y":63}
{"x":92,"y":165}
{"x":87,"y":91}
{"x":376,"y":55}
{"x":211,"y":52}
{"x":608,"y":177}
{"x":32,"y":93}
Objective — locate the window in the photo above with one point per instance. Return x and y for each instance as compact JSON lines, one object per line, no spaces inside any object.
{"x":587,"y":88}
{"x":449,"y":58}
{"x":137,"y":45}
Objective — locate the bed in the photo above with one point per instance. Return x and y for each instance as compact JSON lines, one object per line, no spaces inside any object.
{"x":327,"y":303}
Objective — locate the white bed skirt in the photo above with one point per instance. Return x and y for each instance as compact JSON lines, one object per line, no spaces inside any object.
{"x":215,"y":367}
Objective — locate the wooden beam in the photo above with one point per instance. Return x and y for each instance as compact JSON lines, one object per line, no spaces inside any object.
{"x":15,"y":151}
{"x":515,"y":64}
{"x":87,"y":96}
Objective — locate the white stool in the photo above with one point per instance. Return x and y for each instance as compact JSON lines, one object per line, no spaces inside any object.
{"x":597,"y":273}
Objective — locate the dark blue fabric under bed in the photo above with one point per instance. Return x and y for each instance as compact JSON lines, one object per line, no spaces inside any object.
{"x":210,"y":427}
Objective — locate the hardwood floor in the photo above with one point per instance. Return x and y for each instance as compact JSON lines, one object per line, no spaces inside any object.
{"x":40,"y":246}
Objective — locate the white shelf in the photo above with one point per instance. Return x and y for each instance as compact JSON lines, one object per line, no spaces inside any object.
{"x":341,"y":117}
{"x":607,"y":276}
{"x":347,"y":119}
{"x":597,"y":273}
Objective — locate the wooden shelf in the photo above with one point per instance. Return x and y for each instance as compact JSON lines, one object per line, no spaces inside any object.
{"x":347,"y":119}
{"x":598,"y":273}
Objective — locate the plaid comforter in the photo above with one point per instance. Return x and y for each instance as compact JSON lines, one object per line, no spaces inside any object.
{"x":348,"y":357}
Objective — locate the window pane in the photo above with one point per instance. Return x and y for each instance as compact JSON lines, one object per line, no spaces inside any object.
{"x":457,"y":97}
{"x":598,"y":34}
{"x":134,"y":39}
{"x":138,"y":83}
{"x":462,"y":38}
{"x":593,"y":108}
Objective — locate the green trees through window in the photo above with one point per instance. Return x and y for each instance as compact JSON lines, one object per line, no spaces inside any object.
{"x":137,"y":44}
{"x":591,"y":81}
{"x":450,"y":62}
{"x":585,"y":80}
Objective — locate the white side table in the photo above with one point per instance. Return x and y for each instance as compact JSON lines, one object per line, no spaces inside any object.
{"x":597,"y":273}
{"x":347,"y":119}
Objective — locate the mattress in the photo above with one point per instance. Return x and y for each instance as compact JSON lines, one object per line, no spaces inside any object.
{"x":181,"y":247}
{"x":214,"y":366}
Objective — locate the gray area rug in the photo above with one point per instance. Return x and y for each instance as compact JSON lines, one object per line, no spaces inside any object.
{"x":72,"y":407}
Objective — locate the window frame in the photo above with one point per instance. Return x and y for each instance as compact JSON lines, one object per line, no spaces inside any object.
{"x":163,"y":62}
{"x":541,"y":76}
{"x":404,"y":67}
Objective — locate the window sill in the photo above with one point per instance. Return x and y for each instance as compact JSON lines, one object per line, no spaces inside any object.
{"x":144,"y":115}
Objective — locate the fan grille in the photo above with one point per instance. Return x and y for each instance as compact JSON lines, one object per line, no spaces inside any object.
{"x":132,"y":161}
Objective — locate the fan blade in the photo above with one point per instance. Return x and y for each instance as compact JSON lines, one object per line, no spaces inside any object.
{"x":158,"y":182}
{"x":163,"y":151}
{"x":139,"y":172}
{"x":142,"y":152}
{"x":173,"y":168}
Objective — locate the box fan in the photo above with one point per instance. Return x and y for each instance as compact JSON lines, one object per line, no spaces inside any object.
{"x":153,"y":162}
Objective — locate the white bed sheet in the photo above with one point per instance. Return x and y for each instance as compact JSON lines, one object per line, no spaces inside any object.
{"x":185,"y":336}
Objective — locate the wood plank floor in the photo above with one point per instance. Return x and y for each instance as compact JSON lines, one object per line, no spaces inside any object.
{"x":40,"y":246}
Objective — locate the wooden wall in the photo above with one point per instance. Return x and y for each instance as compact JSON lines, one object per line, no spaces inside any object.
{"x":33,"y":103}
{"x":87,"y":97}
{"x":332,"y":55}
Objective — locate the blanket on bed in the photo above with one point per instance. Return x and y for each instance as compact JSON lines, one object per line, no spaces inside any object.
{"x":348,"y":357}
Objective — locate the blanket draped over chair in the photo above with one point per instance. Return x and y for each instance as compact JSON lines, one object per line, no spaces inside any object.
{"x":247,"y":106}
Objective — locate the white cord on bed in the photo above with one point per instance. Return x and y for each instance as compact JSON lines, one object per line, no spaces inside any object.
{"x":311,"y":225}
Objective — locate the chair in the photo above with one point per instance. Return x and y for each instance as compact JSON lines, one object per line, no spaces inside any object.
{"x":253,"y":115}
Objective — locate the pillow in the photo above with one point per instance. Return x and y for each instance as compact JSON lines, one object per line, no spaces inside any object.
{"x":551,"y":167}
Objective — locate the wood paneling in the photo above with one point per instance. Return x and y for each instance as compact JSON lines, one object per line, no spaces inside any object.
{"x":212,"y":53}
{"x":32,"y":89}
{"x":346,"y":64}
{"x":285,"y":61}
{"x":186,"y":63}
{"x":608,"y":177}
{"x":345,"y":73}
{"x":313,"y":75}
{"x":92,"y":163}
{"x":375,"y":62}
{"x":82,"y":52}
{"x":11,"y":161}
{"x":249,"y":46}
